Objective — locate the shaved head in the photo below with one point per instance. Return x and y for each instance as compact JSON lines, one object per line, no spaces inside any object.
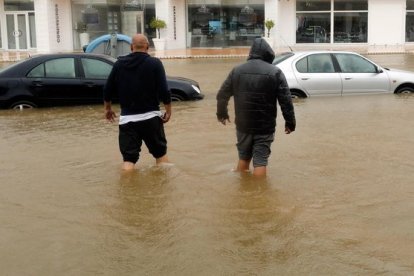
{"x":139,"y":43}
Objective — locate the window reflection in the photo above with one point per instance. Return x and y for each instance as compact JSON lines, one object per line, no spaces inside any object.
{"x":313,"y":28}
{"x":95,"y":69}
{"x":319,"y":63}
{"x":121,"y":17}
{"x":19,"y":5}
{"x":350,"y":5}
{"x":409,"y":22}
{"x":350,"y":27}
{"x":60,"y":68}
{"x":350,"y":21}
{"x":227,"y":25}
{"x":56,"y":68}
{"x":410,"y":4}
{"x":313,"y":5}
{"x":354,"y":64}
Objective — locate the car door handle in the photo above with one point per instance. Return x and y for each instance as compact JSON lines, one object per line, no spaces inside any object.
{"x":305,"y":78}
{"x":37,"y":83}
{"x":348,"y":78}
{"x":89,"y":84}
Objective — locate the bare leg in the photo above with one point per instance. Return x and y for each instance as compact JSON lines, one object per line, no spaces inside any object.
{"x":162,"y":159}
{"x":243,"y":165}
{"x":128,"y":166}
{"x":260,"y":171}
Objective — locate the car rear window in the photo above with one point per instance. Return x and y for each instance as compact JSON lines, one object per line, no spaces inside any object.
{"x":281,"y":57}
{"x":54,"y":68}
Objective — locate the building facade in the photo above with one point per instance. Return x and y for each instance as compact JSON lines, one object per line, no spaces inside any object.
{"x":69,"y":25}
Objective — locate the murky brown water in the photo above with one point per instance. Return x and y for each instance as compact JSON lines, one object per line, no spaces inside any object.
{"x":338,"y":199}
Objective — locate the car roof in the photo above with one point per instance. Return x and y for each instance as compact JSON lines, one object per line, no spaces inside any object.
{"x":17,"y":68}
{"x":74,"y":54}
{"x":320,"y":52}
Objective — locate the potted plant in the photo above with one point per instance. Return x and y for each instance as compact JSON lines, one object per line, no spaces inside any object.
{"x":269,"y":24}
{"x":158,"y":24}
{"x":82,"y":27}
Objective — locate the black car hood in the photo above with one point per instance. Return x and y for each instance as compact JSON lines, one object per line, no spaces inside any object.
{"x":183,"y":79}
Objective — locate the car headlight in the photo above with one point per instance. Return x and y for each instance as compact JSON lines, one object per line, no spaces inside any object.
{"x":196,"y":88}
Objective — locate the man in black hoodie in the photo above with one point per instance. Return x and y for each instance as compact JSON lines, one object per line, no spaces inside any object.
{"x":257,"y":86}
{"x":140,"y":82}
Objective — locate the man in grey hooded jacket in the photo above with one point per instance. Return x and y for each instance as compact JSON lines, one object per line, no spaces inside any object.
{"x":256,"y":86}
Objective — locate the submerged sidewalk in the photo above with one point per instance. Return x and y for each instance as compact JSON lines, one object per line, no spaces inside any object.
{"x":11,"y":56}
{"x":239,"y":52}
{"x":202,"y":53}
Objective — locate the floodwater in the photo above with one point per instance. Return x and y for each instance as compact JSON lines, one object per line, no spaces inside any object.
{"x":338,"y":199}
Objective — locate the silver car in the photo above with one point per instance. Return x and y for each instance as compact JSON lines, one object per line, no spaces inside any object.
{"x":339,"y":73}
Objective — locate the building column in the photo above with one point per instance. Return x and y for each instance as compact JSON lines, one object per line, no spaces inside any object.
{"x":271,"y":13}
{"x":3,"y":31}
{"x":382,"y":35}
{"x":161,"y":12}
{"x":173,"y":13}
{"x":53,"y":26}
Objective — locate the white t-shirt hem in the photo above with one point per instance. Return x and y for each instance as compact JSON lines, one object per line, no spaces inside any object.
{"x":139,"y":117}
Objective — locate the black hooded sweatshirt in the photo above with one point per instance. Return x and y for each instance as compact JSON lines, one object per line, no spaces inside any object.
{"x":257,"y":86}
{"x":140,"y":82}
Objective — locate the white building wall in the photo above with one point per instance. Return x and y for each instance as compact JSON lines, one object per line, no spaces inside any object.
{"x":177,"y":23}
{"x":53,"y":26}
{"x":386,"y":25}
{"x":285,"y":26}
{"x":173,"y":13}
{"x":2,"y":26}
{"x":271,"y":13}
{"x":161,"y":12}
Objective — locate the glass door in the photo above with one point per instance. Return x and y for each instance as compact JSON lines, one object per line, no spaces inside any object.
{"x":21,"y":33}
{"x":132,"y":22}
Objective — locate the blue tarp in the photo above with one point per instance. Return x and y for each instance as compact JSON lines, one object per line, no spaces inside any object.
{"x":102,"y":45}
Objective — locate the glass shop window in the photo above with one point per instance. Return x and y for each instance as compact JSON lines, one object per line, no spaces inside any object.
{"x":13,"y":5}
{"x":313,"y":27}
{"x":409,"y":22}
{"x":350,"y":21}
{"x":350,"y":27}
{"x":314,"y":21}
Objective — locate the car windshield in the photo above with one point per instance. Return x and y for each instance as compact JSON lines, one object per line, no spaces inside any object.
{"x":281,"y":57}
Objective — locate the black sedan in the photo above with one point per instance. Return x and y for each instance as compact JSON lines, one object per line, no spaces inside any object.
{"x":69,"y":79}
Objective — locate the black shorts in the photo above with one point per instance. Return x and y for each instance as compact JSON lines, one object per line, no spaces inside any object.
{"x":255,"y":146}
{"x":150,"y":131}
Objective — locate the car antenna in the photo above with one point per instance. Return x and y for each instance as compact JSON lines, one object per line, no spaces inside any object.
{"x":286,"y":43}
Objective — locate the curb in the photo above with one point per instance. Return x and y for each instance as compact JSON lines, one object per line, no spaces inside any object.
{"x":199,"y":56}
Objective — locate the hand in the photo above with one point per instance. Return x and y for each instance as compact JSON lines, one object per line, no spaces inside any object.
{"x":166,"y":117}
{"x":288,"y":130}
{"x":224,"y":120}
{"x":110,"y":115}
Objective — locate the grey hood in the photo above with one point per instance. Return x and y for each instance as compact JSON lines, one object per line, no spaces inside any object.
{"x":261,"y":50}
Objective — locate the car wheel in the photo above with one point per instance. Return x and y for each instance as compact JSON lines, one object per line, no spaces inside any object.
{"x":296,"y":94}
{"x":177,"y":98}
{"x":405,"y":90}
{"x":20,"y":105}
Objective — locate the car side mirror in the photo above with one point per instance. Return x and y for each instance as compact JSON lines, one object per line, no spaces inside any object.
{"x":379,"y":70}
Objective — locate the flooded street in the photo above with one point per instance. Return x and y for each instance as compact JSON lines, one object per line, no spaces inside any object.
{"x":338,"y":199}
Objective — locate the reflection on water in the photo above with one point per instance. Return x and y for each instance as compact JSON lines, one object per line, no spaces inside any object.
{"x":338,"y":198}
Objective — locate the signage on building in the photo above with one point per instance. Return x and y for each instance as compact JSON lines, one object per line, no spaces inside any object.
{"x":57,"y":23}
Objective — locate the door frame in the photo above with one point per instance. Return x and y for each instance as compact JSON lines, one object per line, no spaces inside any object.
{"x":27,"y":26}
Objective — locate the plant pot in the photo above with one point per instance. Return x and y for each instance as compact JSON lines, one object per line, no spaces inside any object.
{"x":269,"y":41}
{"x":83,"y":39}
{"x":159,"y":44}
